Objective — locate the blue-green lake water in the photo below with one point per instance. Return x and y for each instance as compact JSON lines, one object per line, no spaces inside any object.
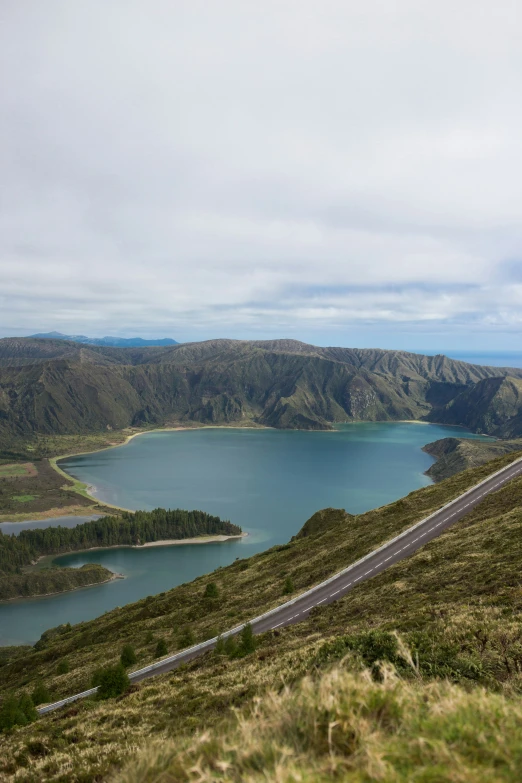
{"x":268,"y":481}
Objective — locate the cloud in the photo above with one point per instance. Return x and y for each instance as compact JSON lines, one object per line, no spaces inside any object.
{"x":233,"y":169}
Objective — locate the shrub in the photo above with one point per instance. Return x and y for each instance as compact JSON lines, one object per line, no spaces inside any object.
{"x":63,"y":667}
{"x":220,"y":648}
{"x":247,"y":642}
{"x":149,"y":636}
{"x":17,"y":712}
{"x":371,"y":646}
{"x":289,"y":586}
{"x":111,"y":681}
{"x":128,"y":656}
{"x":211,"y":590}
{"x":230,"y":646}
{"x":26,"y":705}
{"x":161,"y":648}
{"x":40,"y":695}
{"x":186,"y":638}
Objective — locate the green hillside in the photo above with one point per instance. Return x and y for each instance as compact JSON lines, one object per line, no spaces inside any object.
{"x":456,"y":605}
{"x":58,"y":387}
{"x":47,"y":581}
{"x":493,"y":406}
{"x":456,"y":454}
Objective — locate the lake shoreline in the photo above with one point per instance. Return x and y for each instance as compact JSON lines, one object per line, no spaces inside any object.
{"x":102,"y":508}
{"x":217,"y":539}
{"x":112,"y":578}
{"x":84,"y":489}
{"x":270,"y":482}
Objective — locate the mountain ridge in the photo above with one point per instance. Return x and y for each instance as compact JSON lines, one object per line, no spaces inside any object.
{"x":62,"y":387}
{"x":121,"y":342}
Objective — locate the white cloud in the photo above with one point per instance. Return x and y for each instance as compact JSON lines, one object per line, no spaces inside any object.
{"x":182,"y":166}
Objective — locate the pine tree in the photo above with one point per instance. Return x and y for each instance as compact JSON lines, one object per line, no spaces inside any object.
{"x":40,"y":695}
{"x":27,"y":708}
{"x":230,"y":646}
{"x":220,"y":648}
{"x":128,"y":656}
{"x":186,"y":638}
{"x":289,"y":586}
{"x":161,"y":648}
{"x":211,"y":590}
{"x":247,"y":642}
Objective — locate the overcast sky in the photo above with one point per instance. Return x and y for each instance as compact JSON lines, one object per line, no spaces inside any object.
{"x":341,"y":172}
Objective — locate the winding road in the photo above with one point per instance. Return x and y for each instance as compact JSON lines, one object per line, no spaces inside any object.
{"x":335,"y":587}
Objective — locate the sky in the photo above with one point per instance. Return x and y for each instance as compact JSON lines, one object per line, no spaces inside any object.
{"x":343,"y":173}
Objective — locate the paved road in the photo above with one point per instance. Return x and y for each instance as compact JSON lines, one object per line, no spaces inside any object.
{"x":332,"y":589}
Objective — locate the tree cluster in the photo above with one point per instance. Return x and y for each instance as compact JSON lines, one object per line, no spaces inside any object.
{"x":136,"y":528}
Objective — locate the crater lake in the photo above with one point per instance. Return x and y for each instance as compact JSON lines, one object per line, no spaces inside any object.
{"x":268,"y":481}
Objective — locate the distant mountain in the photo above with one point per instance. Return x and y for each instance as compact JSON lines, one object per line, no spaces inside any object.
{"x":111,"y":342}
{"x":58,"y":386}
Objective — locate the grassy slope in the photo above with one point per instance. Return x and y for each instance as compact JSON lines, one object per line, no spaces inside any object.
{"x":69,"y":388}
{"x":457,"y":454}
{"x":346,"y":727}
{"x":457,"y":602}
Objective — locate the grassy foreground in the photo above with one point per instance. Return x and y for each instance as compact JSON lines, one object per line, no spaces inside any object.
{"x":456,"y":603}
{"x":347,"y":727}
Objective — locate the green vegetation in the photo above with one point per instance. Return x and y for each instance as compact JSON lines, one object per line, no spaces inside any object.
{"x":211,"y":590}
{"x":456,"y":454}
{"x":288,"y":588}
{"x":19,"y":552}
{"x":63,"y":667}
{"x":128,"y":656}
{"x":12,"y":652}
{"x":280,"y":383}
{"x":23,"y":498}
{"x":448,"y":620}
{"x":111,"y":681}
{"x":51,"y":493}
{"x":17,"y":711}
{"x":161,"y":648}
{"x":129,"y":529}
{"x":186,"y":638}
{"x":40,"y":695}
{"x":51,"y":580}
{"x":344,"y":727}
{"x":247,"y":642}
{"x":8,"y":471}
{"x":493,"y":406}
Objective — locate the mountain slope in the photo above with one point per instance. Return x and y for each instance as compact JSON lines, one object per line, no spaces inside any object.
{"x":456,"y":603}
{"x":456,"y":454}
{"x":60,"y":387}
{"x":493,"y":406}
{"x":120,"y":342}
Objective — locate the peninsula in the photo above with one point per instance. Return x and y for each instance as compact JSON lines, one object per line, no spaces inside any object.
{"x":20,"y":553}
